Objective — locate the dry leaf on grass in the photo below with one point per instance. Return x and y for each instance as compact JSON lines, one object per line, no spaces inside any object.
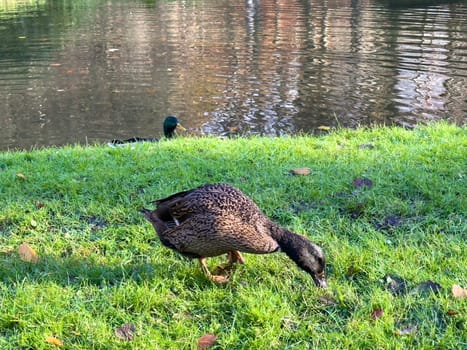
{"x":206,"y":341}
{"x":21,"y":176}
{"x":458,"y":292}
{"x":327,"y":300}
{"x":27,"y":254}
{"x":389,"y":222}
{"x":125,"y":332}
{"x":301,"y":171}
{"x":360,"y":182}
{"x":377,"y":314}
{"x":54,"y":341}
{"x":452,"y":312}
{"x":428,"y":287}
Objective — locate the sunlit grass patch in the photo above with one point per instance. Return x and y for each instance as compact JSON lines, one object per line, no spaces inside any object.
{"x":100,"y":265}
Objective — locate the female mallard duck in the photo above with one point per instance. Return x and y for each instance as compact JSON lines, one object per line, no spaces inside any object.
{"x":170,"y":125}
{"x":218,"y":219}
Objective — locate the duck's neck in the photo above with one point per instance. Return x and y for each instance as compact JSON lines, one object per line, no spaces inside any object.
{"x":297,"y":247}
{"x":284,"y":237}
{"x":306,"y":254}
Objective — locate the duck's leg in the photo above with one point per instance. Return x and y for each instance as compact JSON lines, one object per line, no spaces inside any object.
{"x":235,"y":257}
{"x":214,"y":278}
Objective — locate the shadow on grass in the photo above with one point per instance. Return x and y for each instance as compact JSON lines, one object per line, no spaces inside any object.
{"x":72,"y":271}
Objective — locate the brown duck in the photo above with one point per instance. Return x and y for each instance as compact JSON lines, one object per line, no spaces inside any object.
{"x":218,"y":219}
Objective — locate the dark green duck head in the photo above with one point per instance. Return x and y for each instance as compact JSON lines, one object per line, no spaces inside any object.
{"x":170,"y":125}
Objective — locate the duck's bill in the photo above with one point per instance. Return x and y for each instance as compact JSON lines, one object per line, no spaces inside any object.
{"x":180,"y":127}
{"x":320,"y":281}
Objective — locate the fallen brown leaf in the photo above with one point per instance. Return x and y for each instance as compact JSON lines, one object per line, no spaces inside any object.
{"x":27,"y":254}
{"x":458,"y":292}
{"x":452,"y":312}
{"x":21,"y":176}
{"x":206,"y":341}
{"x":389,"y":222}
{"x":428,"y":287}
{"x":54,"y":341}
{"x":362,"y":182}
{"x":377,"y":314}
{"x":327,"y":300}
{"x":301,"y":171}
{"x":125,"y":332}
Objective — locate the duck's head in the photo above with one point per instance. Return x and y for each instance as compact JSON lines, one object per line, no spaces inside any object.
{"x":170,"y":124}
{"x":307,"y":255}
{"x":313,"y":261}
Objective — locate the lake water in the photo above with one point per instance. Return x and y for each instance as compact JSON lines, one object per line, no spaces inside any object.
{"x":90,"y":71}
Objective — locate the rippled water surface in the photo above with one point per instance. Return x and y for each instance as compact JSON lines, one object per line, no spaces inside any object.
{"x":89,"y":71}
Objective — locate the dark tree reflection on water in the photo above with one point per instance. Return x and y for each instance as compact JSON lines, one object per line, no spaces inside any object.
{"x":87,"y":71}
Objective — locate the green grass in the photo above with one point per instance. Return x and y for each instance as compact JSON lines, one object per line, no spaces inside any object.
{"x":102,"y":266}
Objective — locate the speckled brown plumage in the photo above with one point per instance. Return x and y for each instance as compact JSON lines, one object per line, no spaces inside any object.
{"x":216,"y":219}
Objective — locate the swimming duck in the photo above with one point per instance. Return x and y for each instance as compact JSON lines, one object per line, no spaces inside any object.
{"x":170,"y":125}
{"x":218,"y":219}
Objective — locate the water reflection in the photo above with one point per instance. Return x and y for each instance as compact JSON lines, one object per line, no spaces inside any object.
{"x":87,"y":71}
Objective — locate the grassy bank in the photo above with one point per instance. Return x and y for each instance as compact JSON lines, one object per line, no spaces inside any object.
{"x":387,"y":205}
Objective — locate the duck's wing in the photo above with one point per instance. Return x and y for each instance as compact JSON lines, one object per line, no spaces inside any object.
{"x":207,"y":235}
{"x":174,"y":209}
{"x":182,"y":205}
{"x":244,"y":235}
{"x":217,"y":200}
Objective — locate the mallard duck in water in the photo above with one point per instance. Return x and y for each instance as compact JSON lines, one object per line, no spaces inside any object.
{"x":218,"y":219}
{"x":170,"y":125}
